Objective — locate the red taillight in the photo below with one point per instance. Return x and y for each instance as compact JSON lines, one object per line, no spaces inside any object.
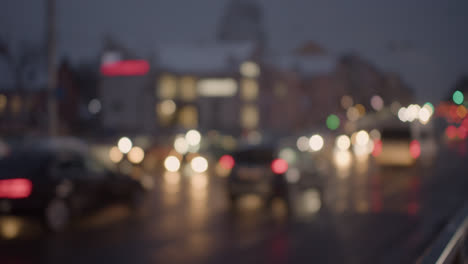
{"x":15,"y":188}
{"x":451,"y":132}
{"x":279,"y":166}
{"x":377,"y":148}
{"x":415,"y":149}
{"x":227,"y":162}
{"x":462,"y":132}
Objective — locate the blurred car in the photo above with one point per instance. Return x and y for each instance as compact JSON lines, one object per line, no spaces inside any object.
{"x":256,"y":170}
{"x":55,"y":182}
{"x":397,"y":147}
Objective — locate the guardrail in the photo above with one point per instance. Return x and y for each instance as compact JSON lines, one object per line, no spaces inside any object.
{"x":449,"y":247}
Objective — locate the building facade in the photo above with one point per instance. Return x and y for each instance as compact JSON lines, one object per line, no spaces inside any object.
{"x":208,"y":87}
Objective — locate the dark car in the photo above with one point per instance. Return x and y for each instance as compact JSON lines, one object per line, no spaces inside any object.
{"x":56,"y":183}
{"x":257,"y":170}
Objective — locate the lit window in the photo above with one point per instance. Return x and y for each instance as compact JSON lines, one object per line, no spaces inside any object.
{"x":188,"y":90}
{"x":249,"y":89}
{"x":249,"y":69}
{"x":188,"y":117}
{"x":280,"y":90}
{"x":16,"y":104}
{"x":166,"y":108}
{"x":249,"y":116}
{"x":3,"y":102}
{"x":217,"y":87}
{"x":165,"y":111}
{"x":167,"y":87}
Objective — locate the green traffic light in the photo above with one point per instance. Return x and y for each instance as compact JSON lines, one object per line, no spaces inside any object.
{"x":430,"y":104}
{"x":333,"y":122}
{"x":458,"y":97}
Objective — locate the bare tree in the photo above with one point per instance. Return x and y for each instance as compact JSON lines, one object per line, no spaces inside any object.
{"x":24,"y":60}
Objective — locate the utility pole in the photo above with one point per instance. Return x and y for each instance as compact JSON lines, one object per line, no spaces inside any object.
{"x":52,"y":68}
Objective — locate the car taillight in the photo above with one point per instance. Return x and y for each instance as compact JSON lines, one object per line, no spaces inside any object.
{"x":377,"y":148}
{"x":279,"y":166}
{"x":227,"y":162}
{"x":15,"y":188}
{"x":415,"y":149}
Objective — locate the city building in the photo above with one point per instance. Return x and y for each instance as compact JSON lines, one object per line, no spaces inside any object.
{"x":303,"y":89}
{"x":124,"y":95}
{"x":209,"y":87}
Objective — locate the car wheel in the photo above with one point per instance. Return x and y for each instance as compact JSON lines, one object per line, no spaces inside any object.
{"x":56,"y":215}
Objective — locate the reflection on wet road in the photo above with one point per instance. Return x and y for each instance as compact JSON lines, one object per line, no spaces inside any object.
{"x":354,"y":214}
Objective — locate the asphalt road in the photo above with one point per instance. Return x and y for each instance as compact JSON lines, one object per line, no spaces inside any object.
{"x":366,"y":214}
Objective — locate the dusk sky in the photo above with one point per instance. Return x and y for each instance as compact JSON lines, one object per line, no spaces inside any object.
{"x":434,"y":30}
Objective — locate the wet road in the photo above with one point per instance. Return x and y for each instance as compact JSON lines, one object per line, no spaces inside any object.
{"x":365,"y":214}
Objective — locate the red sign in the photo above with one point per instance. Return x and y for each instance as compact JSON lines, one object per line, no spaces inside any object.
{"x":125,"y":68}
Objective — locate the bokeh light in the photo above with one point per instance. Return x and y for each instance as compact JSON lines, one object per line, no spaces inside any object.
{"x":115,"y":155}
{"x":394,"y":107}
{"x":172,"y":164}
{"x":125,"y":145}
{"x":461,"y":111}
{"x":377,"y":102}
{"x":227,"y":162}
{"x":199,"y":164}
{"x":458,"y":97}
{"x":279,"y":166}
{"x":402,"y":114}
{"x":361,"y":109}
{"x":352,"y":114}
{"x":94,"y":106}
{"x":316,"y":142}
{"x":249,"y":69}
{"x":362,"y":138}
{"x":10,"y":228}
{"x":136,"y":155}
{"x":181,"y":145}
{"x":412,"y":112}
{"x":193,"y":137}
{"x":415,"y":149}
{"x":311,"y":201}
{"x":377,"y":148}
{"x":451,"y":132}
{"x":424,"y":115}
{"x":333,"y":122}
{"x":462,"y":132}
{"x":302,"y":144}
{"x":429,"y":106}
{"x":288,"y":154}
{"x":343,"y":142}
{"x":293,"y":175}
{"x":166,"y":107}
{"x":375,"y":134}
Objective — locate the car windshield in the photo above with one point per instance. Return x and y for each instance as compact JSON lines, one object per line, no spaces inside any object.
{"x":254,"y":156}
{"x":397,"y":134}
{"x":21,"y":164}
